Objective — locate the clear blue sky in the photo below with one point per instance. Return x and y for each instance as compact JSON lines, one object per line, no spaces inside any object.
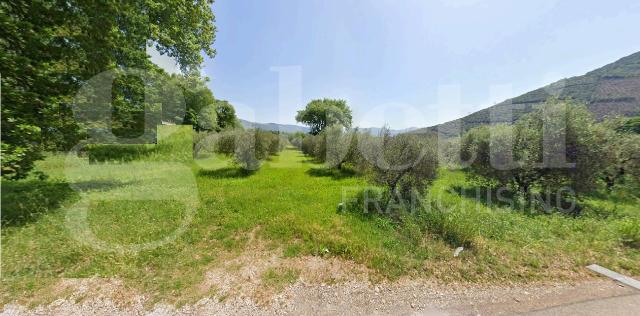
{"x":392,"y":59}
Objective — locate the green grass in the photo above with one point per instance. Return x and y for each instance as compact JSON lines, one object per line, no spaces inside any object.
{"x":133,"y":211}
{"x":279,"y":278}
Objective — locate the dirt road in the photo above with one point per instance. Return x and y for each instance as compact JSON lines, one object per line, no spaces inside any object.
{"x":362,"y":298}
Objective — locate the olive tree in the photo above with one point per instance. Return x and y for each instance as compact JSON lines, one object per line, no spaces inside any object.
{"x":337,"y":146}
{"x":405,"y":164}
{"x":556,"y":146}
{"x":622,"y":149}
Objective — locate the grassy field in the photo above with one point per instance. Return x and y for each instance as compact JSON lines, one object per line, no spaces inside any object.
{"x":159,"y":226}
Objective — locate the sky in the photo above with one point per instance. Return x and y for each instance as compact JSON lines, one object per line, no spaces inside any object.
{"x":405,"y":63}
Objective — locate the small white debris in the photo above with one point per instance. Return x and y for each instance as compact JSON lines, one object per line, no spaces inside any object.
{"x":458,"y":251}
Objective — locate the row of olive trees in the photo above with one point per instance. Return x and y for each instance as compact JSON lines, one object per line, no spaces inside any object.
{"x":247,"y":147}
{"x":404,"y":164}
{"x":558,"y":149}
{"x":558,"y":146}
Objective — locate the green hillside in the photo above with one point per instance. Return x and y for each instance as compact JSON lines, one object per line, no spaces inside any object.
{"x":608,"y":91}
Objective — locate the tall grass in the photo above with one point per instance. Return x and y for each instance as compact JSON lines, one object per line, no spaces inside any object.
{"x":174,"y":143}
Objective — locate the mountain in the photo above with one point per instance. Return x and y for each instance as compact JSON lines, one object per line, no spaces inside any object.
{"x":288,"y":128}
{"x":285,"y":128}
{"x":376,"y":130}
{"x":608,"y":91}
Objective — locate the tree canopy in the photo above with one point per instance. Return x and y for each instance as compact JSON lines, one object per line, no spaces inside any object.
{"x":226,"y":114}
{"x":48,"y":49}
{"x":319,"y":114}
{"x":552,"y":148}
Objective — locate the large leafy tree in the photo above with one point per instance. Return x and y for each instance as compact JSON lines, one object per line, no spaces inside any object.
{"x":49,"y":48}
{"x":226,"y":114}
{"x":319,"y":114}
{"x":199,"y":103}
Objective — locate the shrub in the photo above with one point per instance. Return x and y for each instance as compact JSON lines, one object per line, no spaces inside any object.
{"x":630,"y":233}
{"x":369,"y":201}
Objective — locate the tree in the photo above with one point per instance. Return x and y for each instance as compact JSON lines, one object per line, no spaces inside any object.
{"x":199,"y":103}
{"x":404,"y":163}
{"x":48,"y":49}
{"x":554,"y":147}
{"x":341,"y":146}
{"x":319,"y":114}
{"x":226,"y":114}
{"x":623,"y":151}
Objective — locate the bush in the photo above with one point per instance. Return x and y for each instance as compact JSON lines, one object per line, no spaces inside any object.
{"x":630,"y":233}
{"x":370,"y":201}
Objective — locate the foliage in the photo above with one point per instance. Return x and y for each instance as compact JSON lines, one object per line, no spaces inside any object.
{"x":405,"y":164}
{"x":248,"y":151}
{"x":200,"y":108}
{"x":319,"y":114}
{"x":296,"y":139}
{"x":226,"y":142}
{"x":49,"y":49}
{"x":226,"y":114}
{"x":555,"y":147}
{"x":630,"y":125}
{"x":623,"y":152}
{"x":340,"y":146}
{"x":249,"y":147}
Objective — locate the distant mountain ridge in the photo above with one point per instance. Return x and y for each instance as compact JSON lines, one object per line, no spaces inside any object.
{"x":275,"y":127}
{"x":607,"y":91}
{"x":289,"y":128}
